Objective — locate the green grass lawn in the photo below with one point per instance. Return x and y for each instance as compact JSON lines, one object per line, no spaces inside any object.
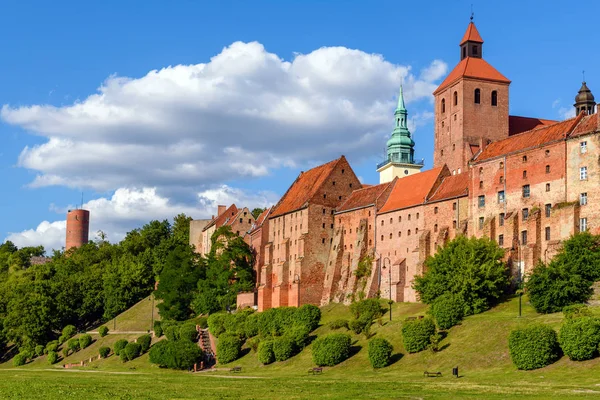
{"x":479,"y":347}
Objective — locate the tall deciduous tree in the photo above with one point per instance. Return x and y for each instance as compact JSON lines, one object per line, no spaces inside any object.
{"x":257,"y":211}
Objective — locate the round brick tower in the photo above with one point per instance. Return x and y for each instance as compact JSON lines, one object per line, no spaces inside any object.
{"x":78,"y":227}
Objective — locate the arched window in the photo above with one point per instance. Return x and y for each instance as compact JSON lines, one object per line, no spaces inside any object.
{"x":494,"y":98}
{"x":398,"y":122}
{"x":399,"y":234}
{"x":501,"y":165}
{"x":435,"y":228}
{"x":455,"y":98}
{"x":409,"y":232}
{"x":443,"y":106}
{"x":390,"y":235}
{"x":477,"y":96}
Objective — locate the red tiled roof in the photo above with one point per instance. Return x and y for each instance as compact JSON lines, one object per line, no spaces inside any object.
{"x":452,"y":186}
{"x":521,"y":124}
{"x":474,"y":149}
{"x":363,"y":197}
{"x":532,"y":138}
{"x":411,"y":190}
{"x":303,"y":188}
{"x":588,"y":124}
{"x":231,"y":212}
{"x":476,"y":68}
{"x":471,"y":35}
{"x":261,"y":218}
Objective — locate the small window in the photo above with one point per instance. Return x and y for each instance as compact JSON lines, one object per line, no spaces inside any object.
{"x":342,"y":171}
{"x":241,"y":220}
{"x":323,"y":241}
{"x":443,"y":106}
{"x":475,"y":50}
{"x":391,"y":220}
{"x":350,"y":185}
{"x":370,"y":242}
{"x":481,"y":220}
{"x":501,"y":219}
{"x":480,"y":170}
{"x":477,"y":96}
{"x":416,"y":230}
{"x":548,"y":209}
{"x":583,"y":147}
{"x":390,"y":235}
{"x":435,"y":210}
{"x":583,"y":199}
{"x":382,"y":238}
{"x":501,"y":196}
{"x":524,"y":158}
{"x":399,"y":218}
{"x":408,"y":233}
{"x":481,"y":201}
{"x":547,"y":169}
{"x":323,"y":225}
{"x":409,"y":217}
{"x":523,"y":238}
{"x":480,"y":184}
{"x":340,"y":197}
{"x":333,"y":183}
{"x":441,"y":152}
{"x":399,"y":234}
{"x":547,"y":187}
{"x":582,"y":224}
{"x":526,"y":191}
{"x":324,"y":195}
{"x":381,"y":222}
{"x":435,"y":228}
{"x":454,"y":206}
{"x":323,"y":211}
{"x":501,"y":178}
{"x":464,"y":52}
{"x":454,"y":224}
{"x":524,"y":174}
{"x":525,"y":213}
{"x":417,"y":215}
{"x":501,"y":165}
{"x":454,"y":148}
{"x":500,"y":240}
{"x":455,"y":100}
{"x":547,"y":233}
{"x":547,"y":153}
{"x":583,"y":173}
{"x":494,"y":98}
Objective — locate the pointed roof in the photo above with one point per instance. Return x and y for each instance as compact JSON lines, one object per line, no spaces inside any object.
{"x":451,"y":187}
{"x":584,"y":95}
{"x":411,"y":190}
{"x":260,"y":220}
{"x":475,"y":68}
{"x":518,"y":124}
{"x":222,"y":219}
{"x":401,"y":105}
{"x":364,"y":197}
{"x":471,"y":35}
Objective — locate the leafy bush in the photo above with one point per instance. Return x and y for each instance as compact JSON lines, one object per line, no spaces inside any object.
{"x":308,"y":315}
{"x":470,"y":268}
{"x":123,"y":355}
{"x":447,"y":310}
{"x":104,"y":351}
{"x":360,"y":324}
{"x":132,"y":351}
{"x":579,"y":338}
{"x":576,"y":311}
{"x":253,"y":343}
{"x":69,"y":331}
{"x":19,"y":359}
{"x":103,"y":331}
{"x":52,"y":357}
{"x":339,"y":323}
{"x":416,"y":334}
{"x":331,"y":349}
{"x":298,"y":334}
{"x":283,"y":348}
{"x":144,"y":341}
{"x":158,"y":331}
{"x":235,"y":324}
{"x":62,"y":339}
{"x":216,"y":324}
{"x":119,"y":345}
{"x":74,"y":345}
{"x":51,"y":346}
{"x":228,"y":348}
{"x":251,"y":325}
{"x":188,"y":332}
{"x":65,"y":351}
{"x":182,"y":354}
{"x":275,"y":321}
{"x":39,"y":350}
{"x":171,"y":331}
{"x":368,"y":309}
{"x":533,"y":347}
{"x":380,"y":352}
{"x":85,"y":340}
{"x":265,"y":352}
{"x":203,"y":322}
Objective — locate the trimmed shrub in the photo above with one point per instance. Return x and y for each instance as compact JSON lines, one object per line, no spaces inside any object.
{"x":339,"y":323}
{"x":144,"y":341}
{"x":533,"y":347}
{"x":39,"y":350}
{"x":132,"y":351}
{"x":104,"y":351}
{"x":103,"y":331}
{"x":298,"y":335}
{"x":447,"y":310}
{"x":275,"y":321}
{"x":360,"y":324}
{"x":203,"y":322}
{"x":65,"y":351}
{"x":119,"y":345}
{"x":19,"y":359}
{"x":69,"y":331}
{"x":331,"y":349}
{"x":74,"y":345}
{"x":265,"y":352}
{"x":380,"y":352}
{"x":216,"y":324}
{"x":171,"y":332}
{"x":251,"y":325}
{"x":51,"y":346}
{"x":175,"y":355}
{"x":123,"y":355}
{"x":416,"y":334}
{"x":368,"y":308}
{"x":62,"y":339}
{"x":283,"y":348}
{"x":158,"y":331}
{"x":188,"y":332}
{"x":52,"y":357}
{"x":228,"y":348}
{"x":579,"y":338}
{"x":576,"y":311}
{"x":253,"y":343}
{"x":308,"y":315}
{"x":85,"y":340}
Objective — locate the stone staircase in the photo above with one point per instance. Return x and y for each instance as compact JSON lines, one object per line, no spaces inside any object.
{"x":207,"y":346}
{"x":595,"y":299}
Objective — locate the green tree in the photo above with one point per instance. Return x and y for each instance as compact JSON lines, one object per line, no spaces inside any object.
{"x":257,"y":211}
{"x":471,"y":269}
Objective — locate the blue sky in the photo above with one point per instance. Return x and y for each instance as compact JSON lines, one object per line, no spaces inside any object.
{"x":290,"y":84}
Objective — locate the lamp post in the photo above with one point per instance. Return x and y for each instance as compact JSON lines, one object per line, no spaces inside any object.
{"x":390,"y":301}
{"x":519,"y":277}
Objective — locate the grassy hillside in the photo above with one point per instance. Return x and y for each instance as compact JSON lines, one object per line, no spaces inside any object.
{"x":138,"y":318}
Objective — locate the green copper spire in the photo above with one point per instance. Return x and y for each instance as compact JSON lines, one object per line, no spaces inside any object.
{"x":400,"y":147}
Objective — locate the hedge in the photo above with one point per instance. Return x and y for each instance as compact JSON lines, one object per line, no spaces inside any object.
{"x":533,"y":347}
{"x":265,"y":352}
{"x":171,"y":331}
{"x":203,"y":322}
{"x":253,"y":343}
{"x":39,"y":350}
{"x":85,"y":340}
{"x":416,"y":334}
{"x":251,"y":325}
{"x":283,"y":348}
{"x":52,"y":357}
{"x":19,"y":359}
{"x":228,"y":348}
{"x":51,"y":346}
{"x":103,"y":330}
{"x":158,"y":331}
{"x":308,"y":315}
{"x":447,"y":310}
{"x":104,"y":351}
{"x":74,"y":345}
{"x":576,"y":311}
{"x":216,"y":324}
{"x":579,"y":338}
{"x":368,"y":308}
{"x":339,"y":323}
{"x":182,"y":354}
{"x":331,"y":349}
{"x":69,"y":331}
{"x":132,"y":351}
{"x":188,"y":332}
{"x":380,"y":352}
{"x":120,"y":345}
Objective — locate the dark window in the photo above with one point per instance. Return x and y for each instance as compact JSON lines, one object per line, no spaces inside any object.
{"x":435,"y":228}
{"x":382,"y":238}
{"x":342,"y":171}
{"x":494,"y":98}
{"x":523,"y":238}
{"x":475,"y":50}
{"x":481,"y":220}
{"x":464,"y":52}
{"x":524,"y":158}
{"x":524,"y":174}
{"x":390,"y":237}
{"x":480,"y":184}
{"x":435,"y":210}
{"x":454,"y":206}
{"x":443,"y":105}
{"x":547,"y":153}
{"x":454,"y":224}
{"x":525,"y":213}
{"x":477,"y":96}
{"x":526,"y":191}
{"x":500,"y":240}
{"x":408,"y":232}
{"x":323,"y":211}
{"x":501,"y":165}
{"x":501,"y":178}
{"x":481,"y":201}
{"x":547,"y":187}
{"x":323,"y":241}
{"x":501,"y":219}
{"x":501,"y":196}
{"x":241,"y":220}
{"x":547,"y":233}
{"x":324,"y":196}
{"x":333,"y":183}
{"x":548,"y":208}
{"x":455,"y":99}
{"x":391,"y":220}
{"x":547,"y":169}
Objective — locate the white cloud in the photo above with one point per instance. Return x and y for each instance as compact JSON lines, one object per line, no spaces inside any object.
{"x":563,"y":112}
{"x":194,"y":126}
{"x":128,"y":209}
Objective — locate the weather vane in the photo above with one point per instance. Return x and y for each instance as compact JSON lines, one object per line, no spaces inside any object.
{"x":472,"y":13}
{"x":583,"y":73}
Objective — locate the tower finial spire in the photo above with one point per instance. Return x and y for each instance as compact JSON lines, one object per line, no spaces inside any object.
{"x":583,"y":74}
{"x":472,"y":13}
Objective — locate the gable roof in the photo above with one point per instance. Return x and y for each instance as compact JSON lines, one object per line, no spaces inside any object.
{"x":411,"y":190}
{"x":476,"y":68}
{"x":518,"y":124}
{"x":365,"y":197}
{"x":260,"y":220}
{"x":588,"y":124}
{"x":228,"y":214}
{"x":471,"y":35}
{"x":529,"y":139}
{"x":451,"y":187}
{"x":304,"y":188}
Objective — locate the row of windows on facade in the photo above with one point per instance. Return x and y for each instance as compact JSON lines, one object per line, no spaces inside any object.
{"x":582,"y":150}
{"x":583,"y":227}
{"x":476,"y":99}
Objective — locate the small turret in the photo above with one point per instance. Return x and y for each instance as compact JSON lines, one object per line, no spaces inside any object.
{"x":584,"y":101}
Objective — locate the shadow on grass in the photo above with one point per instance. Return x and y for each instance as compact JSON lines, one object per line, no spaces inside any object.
{"x":9,"y":353}
{"x":444,"y":347}
{"x":354,"y":350}
{"x":244,"y":352}
{"x":395,"y":358}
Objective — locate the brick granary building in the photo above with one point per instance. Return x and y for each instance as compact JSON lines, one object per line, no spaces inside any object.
{"x":527,"y":183}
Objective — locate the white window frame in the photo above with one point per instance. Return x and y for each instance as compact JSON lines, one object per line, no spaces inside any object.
{"x":583,"y":200}
{"x":583,"y":147}
{"x":583,"y":225}
{"x":583,"y":173}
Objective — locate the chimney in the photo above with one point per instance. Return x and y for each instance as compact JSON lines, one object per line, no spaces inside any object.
{"x":221,"y":210}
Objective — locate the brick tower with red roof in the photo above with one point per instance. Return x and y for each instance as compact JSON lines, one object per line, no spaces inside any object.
{"x":471,"y":106}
